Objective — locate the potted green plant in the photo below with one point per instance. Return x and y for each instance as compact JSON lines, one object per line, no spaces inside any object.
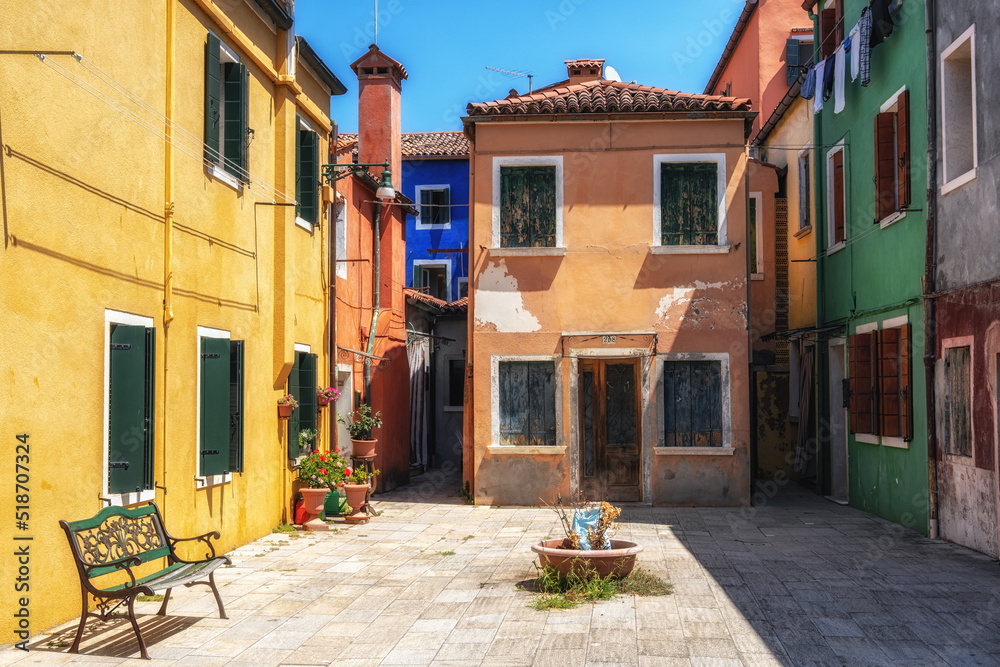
{"x":286,"y":404}
{"x":320,"y":474}
{"x":359,"y":425}
{"x":307,"y":440}
{"x":326,"y":395}
{"x":357,"y":484}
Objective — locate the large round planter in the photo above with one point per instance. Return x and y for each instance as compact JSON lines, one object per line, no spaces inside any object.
{"x":312,"y":502}
{"x":617,"y":561}
{"x":284,"y":411}
{"x":361,"y":448}
{"x":356,"y":495}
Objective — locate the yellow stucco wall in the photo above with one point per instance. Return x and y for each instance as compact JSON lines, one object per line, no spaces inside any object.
{"x":83,"y":188}
{"x":607,"y":281}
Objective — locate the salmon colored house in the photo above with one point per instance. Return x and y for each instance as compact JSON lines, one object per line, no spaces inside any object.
{"x":608,"y":344}
{"x":371,"y":363}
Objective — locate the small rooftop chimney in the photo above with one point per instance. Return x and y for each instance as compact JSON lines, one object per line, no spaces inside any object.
{"x":380,"y":78}
{"x":585,"y":69}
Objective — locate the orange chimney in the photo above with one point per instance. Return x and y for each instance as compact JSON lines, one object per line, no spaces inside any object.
{"x":586,"y":69}
{"x":380,"y":81}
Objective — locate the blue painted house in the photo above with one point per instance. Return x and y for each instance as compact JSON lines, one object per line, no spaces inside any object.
{"x":436,"y":177}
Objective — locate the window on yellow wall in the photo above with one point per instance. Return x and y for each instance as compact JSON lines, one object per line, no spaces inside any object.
{"x":528,"y":207}
{"x":227,"y":84}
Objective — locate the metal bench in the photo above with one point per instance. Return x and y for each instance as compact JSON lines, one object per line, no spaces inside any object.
{"x":119,"y":539}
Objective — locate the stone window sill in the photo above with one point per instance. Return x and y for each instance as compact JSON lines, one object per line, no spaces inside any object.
{"x":530,"y":451}
{"x":694,"y":451}
{"x":527,"y":252}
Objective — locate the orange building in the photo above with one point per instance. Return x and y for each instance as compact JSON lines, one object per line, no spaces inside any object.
{"x":371,"y":363}
{"x":608,"y":344}
{"x":765,"y":60}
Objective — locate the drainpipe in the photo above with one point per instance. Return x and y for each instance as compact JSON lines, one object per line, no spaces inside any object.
{"x":332,"y":300}
{"x":376,"y":277}
{"x":168,"y":229}
{"x":752,"y":375}
{"x":819,"y":202}
{"x":930,"y":271}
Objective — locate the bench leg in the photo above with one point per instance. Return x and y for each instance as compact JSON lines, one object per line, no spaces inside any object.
{"x":135,"y":626}
{"x":218,"y":598}
{"x":163,"y":607}
{"x":75,"y":648}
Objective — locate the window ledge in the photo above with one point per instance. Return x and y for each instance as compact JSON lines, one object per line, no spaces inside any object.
{"x":420,"y":226}
{"x":220,"y":174}
{"x":527,"y":252}
{"x":453,"y":408}
{"x":959,"y":181}
{"x":866,"y":438}
{"x":305,"y":224}
{"x":960,"y":460}
{"x":835,"y":248}
{"x":756,"y":276}
{"x":890,"y":219}
{"x":126,"y":499}
{"x":690,"y":249}
{"x":898,"y":443}
{"x":555,"y":450}
{"x":205,"y":481}
{"x":805,"y":231}
{"x":694,"y":451}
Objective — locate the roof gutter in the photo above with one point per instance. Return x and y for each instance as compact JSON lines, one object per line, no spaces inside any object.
{"x":604,"y":117}
{"x":277,"y":13}
{"x":779,"y":111}
{"x":326,"y":76}
{"x":741,"y":24}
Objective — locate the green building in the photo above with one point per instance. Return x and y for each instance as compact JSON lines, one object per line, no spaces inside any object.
{"x":871,"y":182}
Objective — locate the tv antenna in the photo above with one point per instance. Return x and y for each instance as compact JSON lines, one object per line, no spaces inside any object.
{"x":507,"y":71}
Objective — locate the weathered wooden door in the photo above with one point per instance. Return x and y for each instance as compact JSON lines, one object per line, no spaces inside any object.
{"x":610,"y":434}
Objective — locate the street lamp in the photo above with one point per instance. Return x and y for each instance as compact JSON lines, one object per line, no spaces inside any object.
{"x":335,"y":172}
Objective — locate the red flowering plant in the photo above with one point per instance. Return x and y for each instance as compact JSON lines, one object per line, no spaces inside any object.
{"x":323,"y":470}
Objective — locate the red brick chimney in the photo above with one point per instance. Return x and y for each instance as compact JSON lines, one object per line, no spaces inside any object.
{"x":585,"y":69}
{"x":380,"y":84}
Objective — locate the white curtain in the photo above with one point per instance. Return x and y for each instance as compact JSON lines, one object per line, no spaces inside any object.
{"x":418,"y":356}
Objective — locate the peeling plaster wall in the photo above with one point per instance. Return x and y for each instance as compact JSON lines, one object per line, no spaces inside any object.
{"x":607,"y":281}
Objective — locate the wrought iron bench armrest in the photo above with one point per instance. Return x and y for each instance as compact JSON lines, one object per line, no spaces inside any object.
{"x":206,"y":538}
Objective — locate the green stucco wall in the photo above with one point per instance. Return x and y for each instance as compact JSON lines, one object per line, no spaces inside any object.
{"x":876,"y":276}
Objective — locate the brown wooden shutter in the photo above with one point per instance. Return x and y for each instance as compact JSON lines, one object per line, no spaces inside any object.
{"x":903,"y":148}
{"x":889,"y":383}
{"x":885,"y":165}
{"x":838,"y":197}
{"x":828,"y":32}
{"x":861,"y":382}
{"x":905,"y":383}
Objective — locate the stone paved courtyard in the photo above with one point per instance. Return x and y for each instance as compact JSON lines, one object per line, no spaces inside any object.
{"x":433,"y":581}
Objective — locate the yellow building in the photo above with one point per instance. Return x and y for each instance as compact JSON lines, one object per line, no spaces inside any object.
{"x":161,"y":288}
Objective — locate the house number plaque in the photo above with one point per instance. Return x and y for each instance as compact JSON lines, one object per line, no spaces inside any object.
{"x":609,"y":340}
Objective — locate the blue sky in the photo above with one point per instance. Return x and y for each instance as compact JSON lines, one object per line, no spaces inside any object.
{"x":446,"y":45}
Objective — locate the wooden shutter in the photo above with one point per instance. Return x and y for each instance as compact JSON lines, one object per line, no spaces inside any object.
{"x":514,"y":207}
{"x":293,"y":421}
{"x":150,"y":421}
{"x":828,"y":33}
{"x":895,"y":392}
{"x":903,"y":148}
{"x":542,"y":184}
{"x":127,"y":425}
{"x":885,"y":165}
{"x":426,"y":211}
{"x":298,"y":172}
{"x":839,"y":223}
{"x":307,"y":389}
{"x":689,"y":204}
{"x":307,"y":175}
{"x":213,"y":97}
{"x":805,"y":187}
{"x":861,"y":382}
{"x":444,"y":211}
{"x":753,"y":229}
{"x":214,"y":441}
{"x":541,"y":404}
{"x":513,"y":403}
{"x":792,"y":60}
{"x":236,"y":406}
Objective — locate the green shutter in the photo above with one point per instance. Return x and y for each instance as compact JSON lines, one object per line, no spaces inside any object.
{"x":234,"y":132}
{"x":150,"y":383}
{"x":416,"y":283}
{"x":792,"y":59}
{"x":293,"y":421}
{"x":513,"y":403}
{"x":543,"y":206}
{"x":444,"y":211}
{"x":426,"y":212}
{"x":214,"y":444}
{"x":128,"y":398}
{"x":514,"y":208}
{"x":213,"y":97}
{"x":527,"y":403}
{"x":689,"y":211}
{"x":307,"y":175}
{"x":692,"y":404}
{"x":307,"y":387}
{"x":752,"y":232}
{"x":236,"y":406}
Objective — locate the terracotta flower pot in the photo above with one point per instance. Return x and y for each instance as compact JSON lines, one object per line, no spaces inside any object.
{"x":322,"y":402}
{"x":617,"y":561}
{"x":284,"y":411}
{"x":363,"y":447}
{"x":356,"y":495}
{"x":312,"y":503}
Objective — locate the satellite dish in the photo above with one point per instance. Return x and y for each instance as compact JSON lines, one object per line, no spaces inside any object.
{"x":611,"y":74}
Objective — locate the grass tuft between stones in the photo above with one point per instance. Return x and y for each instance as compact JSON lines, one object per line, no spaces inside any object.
{"x":555,"y":591}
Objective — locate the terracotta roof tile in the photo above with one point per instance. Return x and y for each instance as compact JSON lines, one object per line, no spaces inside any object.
{"x":459,"y":306}
{"x":435,"y":144}
{"x":423,"y":297}
{"x":605,"y":97}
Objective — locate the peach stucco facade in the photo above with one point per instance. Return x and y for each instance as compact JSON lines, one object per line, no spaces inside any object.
{"x":608,"y":291}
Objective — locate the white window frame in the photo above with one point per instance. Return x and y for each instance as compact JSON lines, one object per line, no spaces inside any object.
{"x":527,"y":161}
{"x":969,"y":342}
{"x":890,"y":105}
{"x":458,"y":285}
{"x":805,"y":154}
{"x":416,"y":203}
{"x":759,"y":274}
{"x":958,"y":180}
{"x":340,"y":229}
{"x":437,"y":263}
{"x":205,"y":481}
{"x":871,"y":438}
{"x":727,"y":448}
{"x":657,"y":246}
{"x":833,"y":246}
{"x":129,"y":319}
{"x":495,"y":446}
{"x":226,"y":55}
